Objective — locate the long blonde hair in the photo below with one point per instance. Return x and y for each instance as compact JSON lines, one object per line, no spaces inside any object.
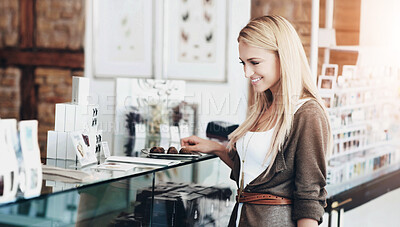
{"x":275,"y":33}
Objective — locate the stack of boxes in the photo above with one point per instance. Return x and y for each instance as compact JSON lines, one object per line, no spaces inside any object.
{"x":71,"y":118}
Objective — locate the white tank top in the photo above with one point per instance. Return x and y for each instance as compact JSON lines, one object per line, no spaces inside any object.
{"x":253,"y":148}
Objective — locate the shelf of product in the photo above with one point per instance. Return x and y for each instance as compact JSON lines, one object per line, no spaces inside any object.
{"x":363,"y":109}
{"x":360,"y":164}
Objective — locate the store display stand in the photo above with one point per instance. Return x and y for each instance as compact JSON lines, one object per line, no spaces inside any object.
{"x":374,"y":168}
{"x":76,"y":135}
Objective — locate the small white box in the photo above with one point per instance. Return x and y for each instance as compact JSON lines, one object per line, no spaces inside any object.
{"x":59,"y":122}
{"x":79,"y":118}
{"x":80,"y":90}
{"x":51,"y":144}
{"x":70,"y":110}
{"x":71,"y":155}
{"x":62,"y":145}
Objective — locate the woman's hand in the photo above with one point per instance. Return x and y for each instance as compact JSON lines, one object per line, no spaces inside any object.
{"x":195,"y":143}
{"x":307,"y":222}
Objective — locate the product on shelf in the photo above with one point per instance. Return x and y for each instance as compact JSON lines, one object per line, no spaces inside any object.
{"x":158,"y":150}
{"x":20,"y":166}
{"x":344,"y":170}
{"x":364,"y":116}
{"x":28,"y":134}
{"x":74,"y":120}
{"x":9,"y":167}
{"x":185,"y":151}
{"x":172,"y":150}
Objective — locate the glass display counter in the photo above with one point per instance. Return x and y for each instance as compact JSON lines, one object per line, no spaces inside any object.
{"x":189,"y":193}
{"x":196,"y":192}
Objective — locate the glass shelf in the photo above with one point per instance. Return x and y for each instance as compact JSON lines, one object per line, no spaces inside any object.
{"x":114,"y":198}
{"x":145,"y":195}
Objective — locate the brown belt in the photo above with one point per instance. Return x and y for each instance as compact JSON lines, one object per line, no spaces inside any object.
{"x":261,"y":198}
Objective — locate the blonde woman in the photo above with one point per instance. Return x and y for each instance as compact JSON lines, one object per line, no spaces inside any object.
{"x":277,"y":155}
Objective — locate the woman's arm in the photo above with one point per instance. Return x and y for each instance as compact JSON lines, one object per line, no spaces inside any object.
{"x":307,"y":222}
{"x":195,"y":143}
{"x":309,"y":195}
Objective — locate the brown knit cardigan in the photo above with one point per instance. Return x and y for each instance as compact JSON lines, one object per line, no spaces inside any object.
{"x":298,"y":173}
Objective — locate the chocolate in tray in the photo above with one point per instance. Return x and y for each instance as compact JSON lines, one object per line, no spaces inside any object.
{"x":170,"y":150}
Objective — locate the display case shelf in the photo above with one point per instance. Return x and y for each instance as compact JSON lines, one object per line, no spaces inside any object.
{"x":129,"y":198}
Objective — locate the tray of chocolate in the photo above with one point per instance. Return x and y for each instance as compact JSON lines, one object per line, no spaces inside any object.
{"x":170,"y":153}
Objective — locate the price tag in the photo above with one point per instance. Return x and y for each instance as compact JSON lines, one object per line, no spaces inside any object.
{"x":106,"y":150}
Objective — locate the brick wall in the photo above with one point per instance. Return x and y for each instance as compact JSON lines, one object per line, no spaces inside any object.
{"x":60,"y":24}
{"x":9,"y":92}
{"x":9,"y":23}
{"x":298,"y":12}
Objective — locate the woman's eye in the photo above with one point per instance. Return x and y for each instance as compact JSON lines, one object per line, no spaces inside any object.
{"x":255,"y":62}
{"x":241,"y":62}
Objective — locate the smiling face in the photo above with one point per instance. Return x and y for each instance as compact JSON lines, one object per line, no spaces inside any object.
{"x":261,"y":66}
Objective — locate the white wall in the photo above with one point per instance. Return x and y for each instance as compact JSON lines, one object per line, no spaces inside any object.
{"x":217,"y":101}
{"x":380,"y":33}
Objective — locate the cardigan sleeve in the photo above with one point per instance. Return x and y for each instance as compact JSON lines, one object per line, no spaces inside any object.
{"x":233,"y":155}
{"x":309,"y":196}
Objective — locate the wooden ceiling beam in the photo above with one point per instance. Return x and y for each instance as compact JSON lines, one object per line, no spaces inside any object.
{"x":42,"y":58}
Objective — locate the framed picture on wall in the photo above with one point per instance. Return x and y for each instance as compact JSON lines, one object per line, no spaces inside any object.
{"x":196,"y":35}
{"x":329,"y":70}
{"x":326,"y":83}
{"x":123,"y":38}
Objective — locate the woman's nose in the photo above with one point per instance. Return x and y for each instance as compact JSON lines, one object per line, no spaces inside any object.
{"x":248,"y":72}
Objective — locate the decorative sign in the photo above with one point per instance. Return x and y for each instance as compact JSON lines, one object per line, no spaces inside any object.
{"x":196,"y":34}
